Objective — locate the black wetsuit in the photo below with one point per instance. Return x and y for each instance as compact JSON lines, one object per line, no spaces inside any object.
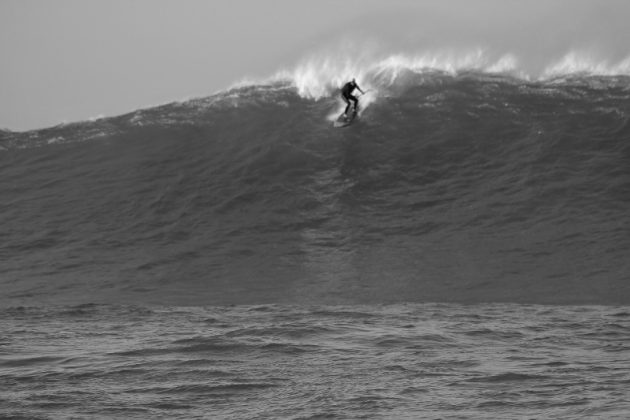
{"x":346,"y":94}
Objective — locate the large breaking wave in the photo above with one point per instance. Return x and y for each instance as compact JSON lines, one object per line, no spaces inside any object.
{"x":470,"y":183}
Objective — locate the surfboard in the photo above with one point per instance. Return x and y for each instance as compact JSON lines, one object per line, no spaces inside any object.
{"x":344,"y":121}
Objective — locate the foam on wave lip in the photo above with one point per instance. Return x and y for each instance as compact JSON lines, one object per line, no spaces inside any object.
{"x":321,"y":75}
{"x":580,"y":62}
{"x":378,"y":67}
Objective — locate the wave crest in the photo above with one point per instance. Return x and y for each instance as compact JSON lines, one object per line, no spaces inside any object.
{"x":321,"y":75}
{"x":580,"y":62}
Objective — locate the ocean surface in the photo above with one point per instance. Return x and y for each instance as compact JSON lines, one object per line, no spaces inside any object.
{"x":461,"y":251}
{"x":399,"y":361}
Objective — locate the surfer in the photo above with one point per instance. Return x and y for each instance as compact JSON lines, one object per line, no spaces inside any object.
{"x":346,"y":95}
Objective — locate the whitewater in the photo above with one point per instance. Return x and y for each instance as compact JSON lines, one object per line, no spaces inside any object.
{"x":461,"y":251}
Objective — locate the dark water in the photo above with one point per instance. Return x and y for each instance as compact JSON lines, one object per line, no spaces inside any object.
{"x":473,"y":188}
{"x":410,"y":266}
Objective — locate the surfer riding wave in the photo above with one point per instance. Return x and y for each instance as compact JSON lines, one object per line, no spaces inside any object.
{"x":346,"y":95}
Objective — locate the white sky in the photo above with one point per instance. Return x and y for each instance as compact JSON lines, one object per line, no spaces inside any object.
{"x":67,"y":60}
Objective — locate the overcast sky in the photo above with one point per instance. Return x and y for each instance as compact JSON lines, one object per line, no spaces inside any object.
{"x":67,"y":60}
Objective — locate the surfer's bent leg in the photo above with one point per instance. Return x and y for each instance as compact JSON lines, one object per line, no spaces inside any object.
{"x":345,"y":99}
{"x":354,"y":100}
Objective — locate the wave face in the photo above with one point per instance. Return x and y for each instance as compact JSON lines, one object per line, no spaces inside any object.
{"x":467,"y":187}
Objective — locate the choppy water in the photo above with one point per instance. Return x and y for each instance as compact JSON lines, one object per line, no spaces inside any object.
{"x":404,"y":361}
